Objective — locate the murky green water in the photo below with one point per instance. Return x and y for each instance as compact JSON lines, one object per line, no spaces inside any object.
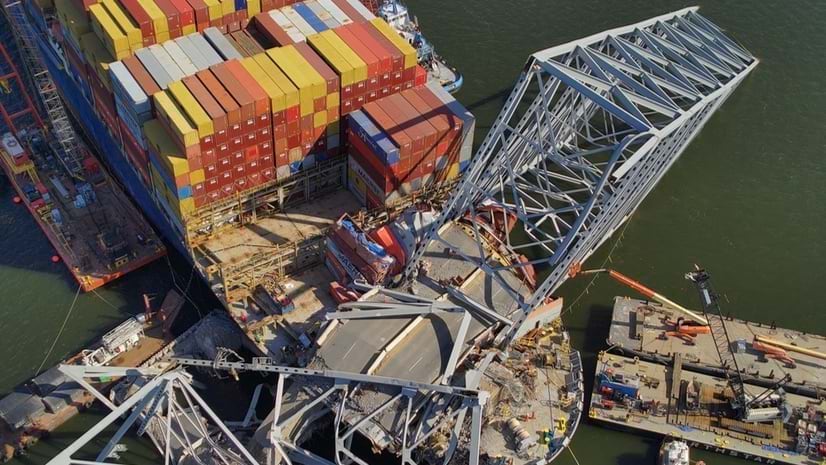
{"x":747,"y":200}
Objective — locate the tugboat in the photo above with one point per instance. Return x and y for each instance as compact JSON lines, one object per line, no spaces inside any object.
{"x":397,"y":16}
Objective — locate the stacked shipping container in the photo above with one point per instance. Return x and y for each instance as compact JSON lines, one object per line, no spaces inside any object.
{"x":406,"y":142}
{"x":202,"y":116}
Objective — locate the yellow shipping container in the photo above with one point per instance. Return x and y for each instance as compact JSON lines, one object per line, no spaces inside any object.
{"x":215,"y":10}
{"x":359,"y":66}
{"x":407,"y":50}
{"x":170,"y":157}
{"x":124,"y":21}
{"x":298,"y":60}
{"x":109,"y":32}
{"x":158,"y":19}
{"x":320,"y":119}
{"x":343,"y":68}
{"x":199,"y":117}
{"x":197,"y":176}
{"x":333,"y":100}
{"x":189,"y":29}
{"x":278,"y":100}
{"x":178,"y":123}
{"x":291,"y":98}
{"x":97,"y":56}
{"x":73,"y":19}
{"x":253,"y":8}
{"x":227,"y":7}
{"x":303,"y":82}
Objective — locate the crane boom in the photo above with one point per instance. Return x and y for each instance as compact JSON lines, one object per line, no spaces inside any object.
{"x":722,"y":342}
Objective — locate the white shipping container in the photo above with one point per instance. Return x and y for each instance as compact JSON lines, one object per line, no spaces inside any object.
{"x":221,"y":44}
{"x":174,"y":71}
{"x":12,"y":146}
{"x":205,"y":49}
{"x":358,"y":6}
{"x":292,"y":31}
{"x":298,"y":21}
{"x":154,"y":67}
{"x":336,"y":12}
{"x":123,"y":80}
{"x":191,"y":52}
{"x":180,"y":58}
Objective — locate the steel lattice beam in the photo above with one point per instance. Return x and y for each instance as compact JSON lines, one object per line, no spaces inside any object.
{"x":588,"y":130}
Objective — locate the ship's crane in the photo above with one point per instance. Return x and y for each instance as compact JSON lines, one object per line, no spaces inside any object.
{"x":746,"y":407}
{"x":64,"y":140}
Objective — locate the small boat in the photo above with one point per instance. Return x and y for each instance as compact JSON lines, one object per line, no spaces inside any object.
{"x":674,"y":452}
{"x":397,"y":16}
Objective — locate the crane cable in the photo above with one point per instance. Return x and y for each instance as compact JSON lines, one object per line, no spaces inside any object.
{"x":62,"y":327}
{"x":596,"y":275}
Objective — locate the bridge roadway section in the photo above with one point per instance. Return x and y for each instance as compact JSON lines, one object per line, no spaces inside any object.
{"x":418,"y":348}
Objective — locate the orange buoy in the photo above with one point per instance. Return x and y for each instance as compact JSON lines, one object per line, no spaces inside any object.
{"x":16,"y":199}
{"x":55,"y":259}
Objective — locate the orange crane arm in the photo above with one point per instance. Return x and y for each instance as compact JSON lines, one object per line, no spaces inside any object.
{"x":649,"y":293}
{"x":789,"y":347}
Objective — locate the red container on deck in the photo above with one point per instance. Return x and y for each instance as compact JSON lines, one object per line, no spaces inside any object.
{"x":142,"y":20}
{"x":396,"y":132}
{"x":364,"y":52}
{"x":173,"y":19}
{"x":201,"y":12}
{"x":271,"y":31}
{"x":239,"y":92}
{"x":228,"y":104}
{"x":186,"y":14}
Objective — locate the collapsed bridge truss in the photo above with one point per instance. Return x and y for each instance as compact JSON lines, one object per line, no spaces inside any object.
{"x":587,"y":132}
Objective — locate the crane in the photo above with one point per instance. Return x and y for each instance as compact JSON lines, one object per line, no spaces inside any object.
{"x":746,"y":407}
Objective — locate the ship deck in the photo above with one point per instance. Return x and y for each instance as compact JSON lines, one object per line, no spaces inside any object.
{"x":310,"y":219}
{"x":809,"y":373}
{"x":770,"y":443}
{"x":77,"y":239}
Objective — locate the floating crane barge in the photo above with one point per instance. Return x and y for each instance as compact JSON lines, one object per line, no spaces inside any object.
{"x":659,"y":378}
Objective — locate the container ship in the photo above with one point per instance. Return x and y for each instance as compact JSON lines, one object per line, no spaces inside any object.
{"x":217,"y":116}
{"x":92,"y":226}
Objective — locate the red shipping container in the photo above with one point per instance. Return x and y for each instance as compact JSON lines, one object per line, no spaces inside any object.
{"x":212,"y":185}
{"x":420,"y":79}
{"x":252,"y":87}
{"x":395,"y":131}
{"x":173,"y":19}
{"x":201,"y":12}
{"x":362,"y":51}
{"x":251,"y":153}
{"x":268,"y":174}
{"x":141,"y":75}
{"x":230,"y":106}
{"x":186,"y":15}
{"x":274,"y":34}
{"x":224,"y":164}
{"x":142,"y":20}
{"x":237,"y":91}
{"x":397,"y":58}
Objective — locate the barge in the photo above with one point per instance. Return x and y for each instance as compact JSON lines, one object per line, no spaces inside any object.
{"x":722,"y":384}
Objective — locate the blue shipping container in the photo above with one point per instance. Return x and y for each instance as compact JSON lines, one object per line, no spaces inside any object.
{"x":378,"y":142}
{"x":308,"y":15}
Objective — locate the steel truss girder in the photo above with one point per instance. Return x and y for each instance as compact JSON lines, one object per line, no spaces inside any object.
{"x":588,"y":130}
